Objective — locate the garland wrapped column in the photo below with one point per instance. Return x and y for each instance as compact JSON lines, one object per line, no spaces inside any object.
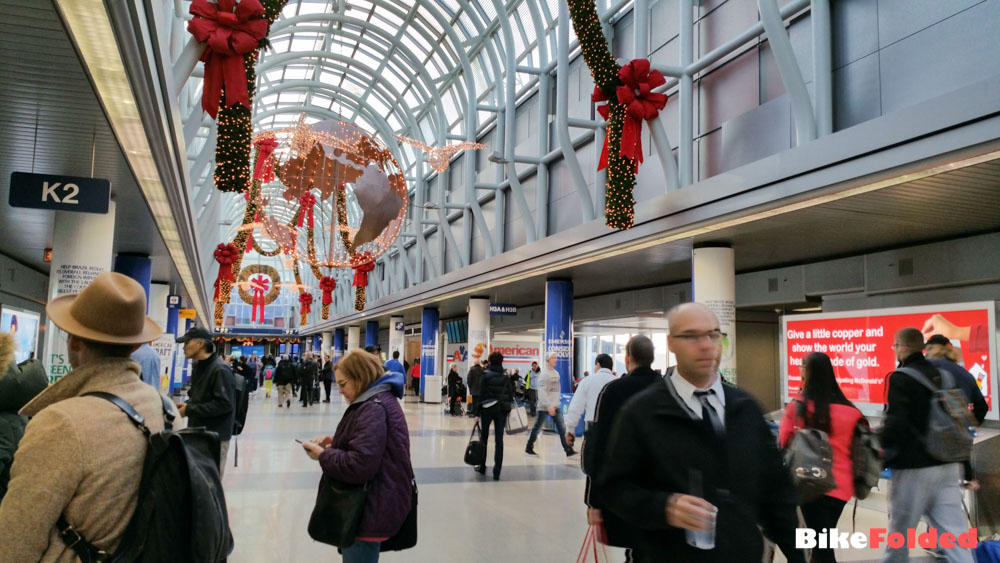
{"x":305,"y":301}
{"x":362,"y":263}
{"x":327,"y":285}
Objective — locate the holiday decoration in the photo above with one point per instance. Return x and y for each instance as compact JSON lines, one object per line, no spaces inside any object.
{"x":258,"y":277}
{"x":363,"y":263}
{"x":259,"y":284}
{"x":440,"y":157}
{"x":306,"y":203}
{"x":628,"y":91}
{"x":327,"y":285}
{"x":264,"y":163}
{"x":225,"y":255}
{"x":305,"y":301}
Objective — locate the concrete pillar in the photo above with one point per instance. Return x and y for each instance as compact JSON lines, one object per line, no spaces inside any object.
{"x":713,"y":283}
{"x":81,"y":250}
{"x":327,"y":344}
{"x":139,"y":268}
{"x":396,"y":337}
{"x":371,"y":333}
{"x":559,"y":329}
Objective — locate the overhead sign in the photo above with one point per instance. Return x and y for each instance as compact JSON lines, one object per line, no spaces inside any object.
{"x":502,"y":309}
{"x":399,"y":325}
{"x":859,"y":345}
{"x":59,"y":193}
{"x":173,"y":302}
{"x":186,"y":314}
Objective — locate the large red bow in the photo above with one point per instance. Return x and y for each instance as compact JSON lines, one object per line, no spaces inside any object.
{"x":306,"y":201}
{"x":362,"y":264}
{"x":640,"y":102}
{"x":260,"y":285}
{"x":327,"y":285}
{"x":305,"y":300}
{"x":230,"y":35}
{"x":225,"y":255}
{"x":264,"y":167}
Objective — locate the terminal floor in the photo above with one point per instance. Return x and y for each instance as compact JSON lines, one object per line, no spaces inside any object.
{"x":535,"y":513}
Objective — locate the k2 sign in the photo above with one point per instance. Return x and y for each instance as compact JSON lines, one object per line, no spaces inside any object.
{"x":59,"y":193}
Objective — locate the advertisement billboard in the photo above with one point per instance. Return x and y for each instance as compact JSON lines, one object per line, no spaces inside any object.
{"x":860,"y":346}
{"x":23,"y":326}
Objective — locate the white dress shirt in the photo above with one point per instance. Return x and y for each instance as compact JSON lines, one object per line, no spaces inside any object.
{"x":686,"y":392}
{"x":586,"y":397}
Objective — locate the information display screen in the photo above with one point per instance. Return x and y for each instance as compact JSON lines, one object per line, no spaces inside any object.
{"x":860,"y":346}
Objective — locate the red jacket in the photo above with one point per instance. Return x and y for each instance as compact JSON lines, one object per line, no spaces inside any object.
{"x":843,"y":420}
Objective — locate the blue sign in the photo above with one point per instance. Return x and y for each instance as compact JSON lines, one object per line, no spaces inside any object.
{"x":428,"y":345}
{"x":338,"y":344}
{"x":371,"y":333}
{"x":247,"y":351}
{"x":559,"y":330}
{"x":59,"y":193}
{"x":502,"y":309}
{"x":173,"y":302}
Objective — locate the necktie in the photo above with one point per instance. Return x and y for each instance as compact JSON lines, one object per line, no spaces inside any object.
{"x":709,"y":415}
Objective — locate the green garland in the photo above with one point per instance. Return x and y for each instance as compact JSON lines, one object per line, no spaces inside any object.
{"x":235,"y":134}
{"x":619,"y":210}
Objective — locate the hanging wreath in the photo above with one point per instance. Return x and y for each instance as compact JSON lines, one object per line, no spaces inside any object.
{"x":362,"y":263}
{"x":244,"y":283}
{"x":630,"y":100}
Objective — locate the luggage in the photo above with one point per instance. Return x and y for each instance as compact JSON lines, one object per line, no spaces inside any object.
{"x":948,"y":437}
{"x":866,"y":466}
{"x":181,"y":512}
{"x":475,"y":452}
{"x":517,"y":420}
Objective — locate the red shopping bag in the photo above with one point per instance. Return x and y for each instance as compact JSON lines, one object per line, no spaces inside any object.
{"x":593,"y":545}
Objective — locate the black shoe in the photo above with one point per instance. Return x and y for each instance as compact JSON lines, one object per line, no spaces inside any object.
{"x":327,"y":400}
{"x":496,"y":477}
{"x":288,"y":403}
{"x":481,"y":469}
{"x":571,"y":452}
{"x":530,"y":451}
{"x":279,"y":405}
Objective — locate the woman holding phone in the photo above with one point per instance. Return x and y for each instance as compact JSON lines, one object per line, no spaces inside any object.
{"x":371,"y":445}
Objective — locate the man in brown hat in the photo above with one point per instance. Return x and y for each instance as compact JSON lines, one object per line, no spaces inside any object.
{"x":80,"y":456}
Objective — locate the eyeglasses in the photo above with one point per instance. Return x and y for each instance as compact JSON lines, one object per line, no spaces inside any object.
{"x":695,"y":337}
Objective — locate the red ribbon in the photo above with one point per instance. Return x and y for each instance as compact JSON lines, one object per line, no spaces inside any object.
{"x":306,"y":201}
{"x":363,"y":263}
{"x":225,"y":255}
{"x":229,"y":35}
{"x":327,"y":285}
{"x":256,"y":219}
{"x":305,"y":300}
{"x":264,"y":167}
{"x":260,"y":285}
{"x":640,"y":102}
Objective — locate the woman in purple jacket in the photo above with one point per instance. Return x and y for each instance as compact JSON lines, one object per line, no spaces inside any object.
{"x":371,"y":445}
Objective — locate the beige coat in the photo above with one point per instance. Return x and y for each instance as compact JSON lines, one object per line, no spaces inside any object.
{"x":80,"y":456}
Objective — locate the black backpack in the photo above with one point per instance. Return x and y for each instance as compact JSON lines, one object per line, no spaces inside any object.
{"x":241,"y":403}
{"x":181,"y":513}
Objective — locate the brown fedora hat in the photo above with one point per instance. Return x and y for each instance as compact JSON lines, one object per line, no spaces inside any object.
{"x":112,"y":309}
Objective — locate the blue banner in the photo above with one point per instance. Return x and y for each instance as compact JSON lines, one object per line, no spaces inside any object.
{"x":428,"y":344}
{"x":559,"y":330}
{"x":338,"y":344}
{"x":371,"y":333}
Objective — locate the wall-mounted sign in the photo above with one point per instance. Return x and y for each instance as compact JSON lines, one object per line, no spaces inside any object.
{"x":502,"y":309}
{"x":186,"y":314}
{"x":59,"y":193}
{"x":400,"y":325}
{"x":859,"y":344}
{"x":47,"y":255}
{"x":173,"y":302}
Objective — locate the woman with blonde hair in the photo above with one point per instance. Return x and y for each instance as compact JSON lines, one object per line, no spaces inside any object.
{"x":371,"y":445}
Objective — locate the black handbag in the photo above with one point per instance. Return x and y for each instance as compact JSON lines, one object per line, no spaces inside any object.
{"x":475,"y":452}
{"x":406,"y":537}
{"x":337,"y":513}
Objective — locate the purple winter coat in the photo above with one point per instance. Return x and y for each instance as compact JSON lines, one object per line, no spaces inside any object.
{"x":372,"y":444}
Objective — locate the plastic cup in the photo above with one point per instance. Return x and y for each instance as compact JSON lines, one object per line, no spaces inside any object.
{"x":703,"y":540}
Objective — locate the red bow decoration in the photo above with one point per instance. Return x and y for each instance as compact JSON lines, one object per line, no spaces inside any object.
{"x":640,"y":102}
{"x":229,"y":35}
{"x":264,"y":167}
{"x":327,"y":285}
{"x":305,"y":300}
{"x":306,"y":201}
{"x":260,"y":285}
{"x":225,"y":255}
{"x":363,"y":263}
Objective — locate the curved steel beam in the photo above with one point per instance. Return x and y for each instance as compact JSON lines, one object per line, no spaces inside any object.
{"x":788,"y":67}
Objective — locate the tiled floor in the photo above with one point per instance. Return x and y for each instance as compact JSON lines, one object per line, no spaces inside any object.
{"x":534,"y":514}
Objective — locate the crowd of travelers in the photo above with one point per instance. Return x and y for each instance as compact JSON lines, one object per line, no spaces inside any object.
{"x":680,"y":466}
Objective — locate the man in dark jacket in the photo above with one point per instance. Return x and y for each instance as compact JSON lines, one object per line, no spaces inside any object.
{"x":213,"y":389}
{"x":689,"y":454}
{"x":284,"y":374}
{"x":475,"y":378}
{"x":326,"y":376}
{"x":307,"y":378}
{"x":496,"y":399}
{"x":921,"y":485}
{"x":639,"y":354}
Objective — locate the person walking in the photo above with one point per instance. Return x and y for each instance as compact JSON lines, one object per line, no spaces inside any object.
{"x":211,"y":399}
{"x":530,"y":384}
{"x":307,"y":378}
{"x":584,"y":401}
{"x":371,"y":445}
{"x":19,"y":384}
{"x":394,"y":364}
{"x":496,"y":401}
{"x":689,"y":454}
{"x":268,"y":375}
{"x":80,"y":458}
{"x":284,"y":374}
{"x":415,"y":377}
{"x":922,"y":486}
{"x":326,"y":376}
{"x":475,"y":379}
{"x":456,"y":389}
{"x":549,"y":401}
{"x":823,"y":406}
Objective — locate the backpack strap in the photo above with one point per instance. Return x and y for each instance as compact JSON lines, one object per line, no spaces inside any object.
{"x":133,"y":415}
{"x":946,"y":380}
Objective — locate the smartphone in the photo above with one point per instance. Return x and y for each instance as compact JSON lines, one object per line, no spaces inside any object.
{"x":297,"y":440}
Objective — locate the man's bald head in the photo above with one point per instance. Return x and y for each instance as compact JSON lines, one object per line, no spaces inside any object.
{"x":678,"y":314}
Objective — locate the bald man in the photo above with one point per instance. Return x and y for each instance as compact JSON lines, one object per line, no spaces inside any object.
{"x":689,"y":454}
